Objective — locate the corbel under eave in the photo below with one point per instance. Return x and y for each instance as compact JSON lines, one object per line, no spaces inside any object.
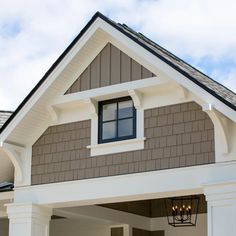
{"x":183,"y":92}
{"x":220,"y":124}
{"x":54,"y":113}
{"x":93,"y":106}
{"x":137,"y":97}
{"x":17,"y":156}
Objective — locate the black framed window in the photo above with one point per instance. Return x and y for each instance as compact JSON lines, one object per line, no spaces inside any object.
{"x":117,"y":120}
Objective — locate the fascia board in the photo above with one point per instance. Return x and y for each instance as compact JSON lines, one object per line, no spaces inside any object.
{"x":160,"y":66}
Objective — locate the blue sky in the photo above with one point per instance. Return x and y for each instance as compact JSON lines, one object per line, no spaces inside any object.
{"x":33,"y":33}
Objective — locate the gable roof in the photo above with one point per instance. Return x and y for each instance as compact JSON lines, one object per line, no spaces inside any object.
{"x":216,"y":89}
{"x":213,"y":87}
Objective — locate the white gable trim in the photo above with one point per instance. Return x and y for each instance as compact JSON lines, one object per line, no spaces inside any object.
{"x":50,"y":79}
{"x":156,"y":65}
{"x":140,"y":54}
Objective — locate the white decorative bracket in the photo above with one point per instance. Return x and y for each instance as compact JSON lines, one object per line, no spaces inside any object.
{"x":136,"y":97}
{"x":54,"y":113}
{"x":183,"y":92}
{"x":93,"y":106}
{"x":221,"y":127}
{"x":17,"y":155}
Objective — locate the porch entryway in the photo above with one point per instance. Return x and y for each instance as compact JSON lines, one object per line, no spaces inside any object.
{"x":136,"y":218}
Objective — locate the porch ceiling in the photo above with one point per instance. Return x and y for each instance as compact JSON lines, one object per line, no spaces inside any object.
{"x":149,"y":208}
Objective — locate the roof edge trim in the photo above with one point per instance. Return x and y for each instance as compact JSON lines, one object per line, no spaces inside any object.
{"x":116,"y":26}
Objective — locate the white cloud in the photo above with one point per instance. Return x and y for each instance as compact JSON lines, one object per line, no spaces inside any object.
{"x":227,"y":78}
{"x":34,"y":33}
{"x":198,"y":28}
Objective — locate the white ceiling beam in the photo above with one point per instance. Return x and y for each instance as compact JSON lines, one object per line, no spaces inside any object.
{"x":99,"y":93}
{"x":105,"y":215}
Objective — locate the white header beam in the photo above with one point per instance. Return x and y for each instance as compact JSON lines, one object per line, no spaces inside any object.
{"x":147,"y":185}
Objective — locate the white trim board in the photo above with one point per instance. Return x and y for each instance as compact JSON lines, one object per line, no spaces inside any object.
{"x":99,"y":93}
{"x":117,"y":147}
{"x":104,"y":215}
{"x":147,"y":185}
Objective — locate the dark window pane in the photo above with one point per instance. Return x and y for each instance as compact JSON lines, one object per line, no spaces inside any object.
{"x":125,"y":109}
{"x":109,"y":130}
{"x":125,"y":127}
{"x":109,"y":111}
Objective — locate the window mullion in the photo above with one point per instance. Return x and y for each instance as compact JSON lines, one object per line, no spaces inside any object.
{"x":107,"y":121}
{"x":117,"y":111}
{"x":116,"y":121}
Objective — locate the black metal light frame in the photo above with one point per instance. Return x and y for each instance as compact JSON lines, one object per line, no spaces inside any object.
{"x":182,"y":211}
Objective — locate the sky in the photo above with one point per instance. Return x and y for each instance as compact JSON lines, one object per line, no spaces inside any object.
{"x":33,"y":33}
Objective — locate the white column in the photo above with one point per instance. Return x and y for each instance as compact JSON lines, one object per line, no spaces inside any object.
{"x":221,"y":204}
{"x":128,"y":231}
{"x":28,"y":220}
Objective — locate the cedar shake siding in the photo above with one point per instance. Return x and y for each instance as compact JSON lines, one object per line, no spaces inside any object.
{"x":111,"y":66}
{"x":176,"y":136}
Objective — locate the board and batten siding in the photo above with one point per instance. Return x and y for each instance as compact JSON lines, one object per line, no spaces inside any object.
{"x":176,"y":136}
{"x":111,"y":66}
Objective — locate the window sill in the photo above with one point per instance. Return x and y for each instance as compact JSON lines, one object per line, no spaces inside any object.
{"x":117,"y":147}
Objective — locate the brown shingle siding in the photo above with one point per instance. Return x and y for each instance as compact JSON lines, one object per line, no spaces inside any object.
{"x":60,"y":154}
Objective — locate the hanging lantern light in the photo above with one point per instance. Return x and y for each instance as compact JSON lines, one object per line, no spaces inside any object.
{"x":182,"y":211}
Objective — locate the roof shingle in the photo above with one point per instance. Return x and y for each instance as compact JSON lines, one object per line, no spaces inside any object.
{"x":216,"y":89}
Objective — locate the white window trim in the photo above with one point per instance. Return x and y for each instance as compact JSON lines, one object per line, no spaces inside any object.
{"x":116,"y":147}
{"x":137,"y":143}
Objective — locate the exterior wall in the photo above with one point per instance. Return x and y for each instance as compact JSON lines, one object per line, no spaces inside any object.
{"x":4,"y":227}
{"x":111,"y":66}
{"x":159,"y":226}
{"x":176,"y":136}
{"x":69,"y":227}
{"x":160,"y":223}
